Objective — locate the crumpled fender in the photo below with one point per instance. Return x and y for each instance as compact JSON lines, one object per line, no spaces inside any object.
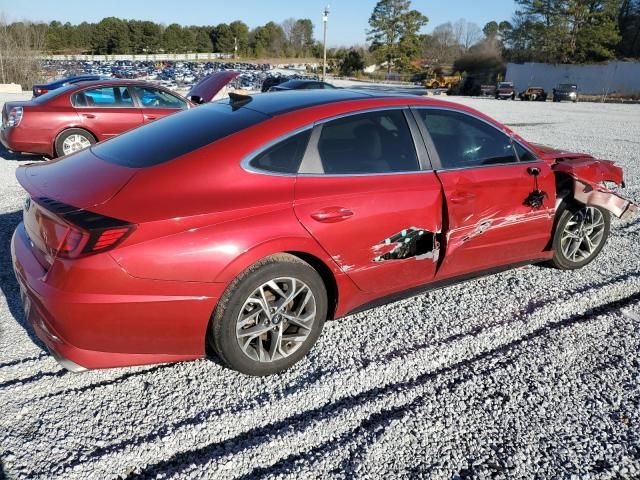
{"x":589,"y":175}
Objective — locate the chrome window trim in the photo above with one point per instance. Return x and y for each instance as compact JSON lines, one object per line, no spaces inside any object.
{"x":510,"y":136}
{"x":311,"y":149}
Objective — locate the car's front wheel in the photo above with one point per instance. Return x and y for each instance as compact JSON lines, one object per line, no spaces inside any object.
{"x":580,"y":235}
{"x":270,"y":316}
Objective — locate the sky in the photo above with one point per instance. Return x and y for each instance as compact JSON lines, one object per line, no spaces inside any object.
{"x":348,"y":19}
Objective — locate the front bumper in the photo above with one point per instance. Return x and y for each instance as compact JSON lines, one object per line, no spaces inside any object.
{"x":88,"y":330}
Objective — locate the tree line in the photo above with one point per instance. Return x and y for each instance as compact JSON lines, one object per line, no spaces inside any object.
{"x":291,"y":38}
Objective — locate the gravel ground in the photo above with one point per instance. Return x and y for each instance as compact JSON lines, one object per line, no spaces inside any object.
{"x":532,"y":373}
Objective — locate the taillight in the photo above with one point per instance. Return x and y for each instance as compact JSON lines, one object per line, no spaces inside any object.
{"x":86,"y":233}
{"x":14,"y":117}
{"x":39,"y":91}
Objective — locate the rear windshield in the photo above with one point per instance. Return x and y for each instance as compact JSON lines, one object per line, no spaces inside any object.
{"x":52,"y":94}
{"x":176,"y":135}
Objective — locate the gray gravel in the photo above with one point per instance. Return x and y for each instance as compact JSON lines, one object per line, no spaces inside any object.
{"x":532,"y":373}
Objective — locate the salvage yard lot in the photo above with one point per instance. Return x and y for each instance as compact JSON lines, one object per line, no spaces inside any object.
{"x":532,"y":372}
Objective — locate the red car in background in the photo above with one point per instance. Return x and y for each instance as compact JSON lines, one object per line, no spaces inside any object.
{"x":245,"y":224}
{"x":76,"y":116}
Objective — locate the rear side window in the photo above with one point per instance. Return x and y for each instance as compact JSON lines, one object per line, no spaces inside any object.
{"x":368,"y":143}
{"x":463,"y":141}
{"x":285,"y":156}
{"x":176,"y":135}
{"x":103,"y":97}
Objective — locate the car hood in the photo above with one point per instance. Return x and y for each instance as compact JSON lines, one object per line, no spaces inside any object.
{"x":207,"y":88}
{"x":82,"y":180}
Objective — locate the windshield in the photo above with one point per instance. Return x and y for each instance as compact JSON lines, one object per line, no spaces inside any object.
{"x":568,"y":86}
{"x":505,"y":85}
{"x":52,"y":94}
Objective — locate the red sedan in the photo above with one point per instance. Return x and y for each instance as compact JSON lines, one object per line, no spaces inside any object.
{"x":245,"y":224}
{"x":76,"y":116}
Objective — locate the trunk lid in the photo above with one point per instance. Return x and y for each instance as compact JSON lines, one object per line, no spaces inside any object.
{"x":57,"y":188}
{"x":206,"y":89}
{"x":82,"y":179}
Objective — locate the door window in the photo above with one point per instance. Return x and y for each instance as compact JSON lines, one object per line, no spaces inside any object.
{"x":103,"y":97}
{"x":464,"y":141}
{"x":154,"y":98}
{"x":368,"y":143}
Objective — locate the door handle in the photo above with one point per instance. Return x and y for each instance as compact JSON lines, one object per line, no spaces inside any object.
{"x":462,"y":197}
{"x":150,"y":117}
{"x":332,"y":215}
{"x":88,"y":115}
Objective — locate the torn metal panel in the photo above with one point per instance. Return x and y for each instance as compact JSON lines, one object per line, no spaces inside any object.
{"x":409,"y":243}
{"x":589,"y":176}
{"x":601,"y":196}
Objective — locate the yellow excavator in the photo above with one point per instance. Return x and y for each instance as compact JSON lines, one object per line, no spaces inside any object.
{"x":442,"y":81}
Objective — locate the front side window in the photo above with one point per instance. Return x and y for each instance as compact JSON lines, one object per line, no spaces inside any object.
{"x":154,"y":98}
{"x":103,"y":97}
{"x":285,"y":156}
{"x":368,"y":143}
{"x":463,"y":141}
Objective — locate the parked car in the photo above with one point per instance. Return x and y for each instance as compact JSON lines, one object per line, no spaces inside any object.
{"x":272,"y":81}
{"x":41,"y":89}
{"x":75,"y":117}
{"x":533,"y":94}
{"x":505,"y":90}
{"x":242,"y":225}
{"x":566,"y":91}
{"x":302,"y":85}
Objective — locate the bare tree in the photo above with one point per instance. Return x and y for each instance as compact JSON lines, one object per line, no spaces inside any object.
{"x":20,"y":46}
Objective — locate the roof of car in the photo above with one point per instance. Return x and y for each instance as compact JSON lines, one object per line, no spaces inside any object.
{"x":290,"y":100}
{"x":117,"y":81}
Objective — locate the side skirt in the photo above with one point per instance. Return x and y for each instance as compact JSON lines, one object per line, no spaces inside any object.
{"x":395,"y":297}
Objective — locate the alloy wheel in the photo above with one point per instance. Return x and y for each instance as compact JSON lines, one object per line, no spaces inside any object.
{"x":583,"y":234}
{"x":74,"y":143}
{"x":276,"y":319}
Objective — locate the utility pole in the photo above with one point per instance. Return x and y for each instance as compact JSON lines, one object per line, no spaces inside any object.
{"x":325,"y":19}
{"x":235,"y":47}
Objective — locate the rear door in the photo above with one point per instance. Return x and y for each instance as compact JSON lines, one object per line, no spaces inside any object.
{"x":495,"y":216}
{"x":365,"y":192}
{"x":107,"y":111}
{"x":157,"y":103}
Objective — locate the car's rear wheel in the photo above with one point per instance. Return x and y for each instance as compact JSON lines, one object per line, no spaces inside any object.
{"x":580,"y":235}
{"x":270,"y":316}
{"x":73,"y":140}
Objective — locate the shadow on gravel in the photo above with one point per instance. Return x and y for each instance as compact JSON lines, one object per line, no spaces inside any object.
{"x":7,"y":155}
{"x":466,"y":369}
{"x":304,"y":381}
{"x":8,"y":282}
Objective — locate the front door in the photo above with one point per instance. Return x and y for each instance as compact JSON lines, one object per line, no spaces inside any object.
{"x":156,"y":103}
{"x":500,"y":199}
{"x":363,"y":195}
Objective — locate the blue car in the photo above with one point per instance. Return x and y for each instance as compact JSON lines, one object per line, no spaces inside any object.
{"x":44,"y":88}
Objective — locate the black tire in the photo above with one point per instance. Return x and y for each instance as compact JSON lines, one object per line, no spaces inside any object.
{"x":568,"y":212}
{"x":59,"y":151}
{"x":222,"y":333}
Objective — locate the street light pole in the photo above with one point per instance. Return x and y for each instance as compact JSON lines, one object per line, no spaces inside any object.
{"x":325,"y":19}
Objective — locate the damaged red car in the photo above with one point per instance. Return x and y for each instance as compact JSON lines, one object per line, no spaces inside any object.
{"x":76,"y":116}
{"x":240,"y":226}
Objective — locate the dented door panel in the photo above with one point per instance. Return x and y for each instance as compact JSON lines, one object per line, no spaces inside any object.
{"x":390,"y":239}
{"x":490,"y":219}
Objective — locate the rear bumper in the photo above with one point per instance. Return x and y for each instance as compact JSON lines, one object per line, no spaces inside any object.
{"x":88,"y":330}
{"x":16,"y":140}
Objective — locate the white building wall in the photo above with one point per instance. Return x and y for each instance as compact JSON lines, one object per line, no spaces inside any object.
{"x":598,"y":79}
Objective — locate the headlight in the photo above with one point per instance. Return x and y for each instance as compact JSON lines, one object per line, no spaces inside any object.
{"x":572,"y":94}
{"x":14,"y":117}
